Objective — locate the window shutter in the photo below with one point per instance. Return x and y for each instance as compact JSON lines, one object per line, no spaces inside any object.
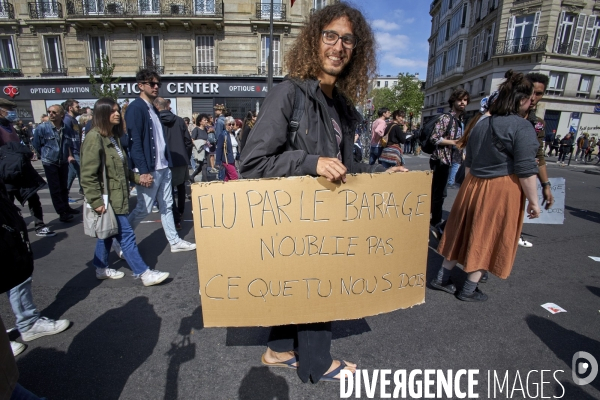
{"x":578,"y":35}
{"x":481,"y":44}
{"x":587,"y":37}
{"x":484,"y":9}
{"x":491,"y":48}
{"x":559,"y":31}
{"x":536,"y":23}
{"x":510,"y":33}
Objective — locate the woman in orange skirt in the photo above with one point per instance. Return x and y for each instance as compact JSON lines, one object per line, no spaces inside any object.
{"x":487,"y":216}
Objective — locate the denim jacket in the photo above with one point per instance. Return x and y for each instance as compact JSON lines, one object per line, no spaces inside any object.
{"x":50,"y":147}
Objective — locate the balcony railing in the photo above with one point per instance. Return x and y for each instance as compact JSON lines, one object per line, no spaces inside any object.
{"x":159,"y":69}
{"x":524,"y":45}
{"x":263,"y":11}
{"x":54,"y":71}
{"x":7,"y":11}
{"x":593,"y":52}
{"x":204,"y":69}
{"x":45,"y":9}
{"x":10,"y":72}
{"x":265,"y":70}
{"x":564,"y":48}
{"x":433,"y":4}
{"x":132,"y":8}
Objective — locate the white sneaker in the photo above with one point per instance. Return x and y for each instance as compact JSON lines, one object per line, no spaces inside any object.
{"x":17,"y":348}
{"x":153,"y":277}
{"x":117,"y":247}
{"x":108,"y":273}
{"x":182,"y":245}
{"x":524,"y":243}
{"x":44,"y":327}
{"x":45,"y":232}
{"x":154,"y":209}
{"x":133,"y":192}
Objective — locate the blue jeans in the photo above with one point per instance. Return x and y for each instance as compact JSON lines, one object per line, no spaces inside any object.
{"x":20,"y":393}
{"x":375,"y":153}
{"x":126,"y":238}
{"x":21,"y":301}
{"x":74,"y":171}
{"x":387,"y":164}
{"x":453,"y":170}
{"x":161,"y":191}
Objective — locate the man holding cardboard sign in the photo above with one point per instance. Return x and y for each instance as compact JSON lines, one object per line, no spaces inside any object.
{"x":306,"y":127}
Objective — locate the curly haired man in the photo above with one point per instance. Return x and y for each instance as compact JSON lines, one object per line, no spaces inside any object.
{"x":337,"y":53}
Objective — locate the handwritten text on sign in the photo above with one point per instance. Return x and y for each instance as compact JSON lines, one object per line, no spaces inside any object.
{"x":556,"y":213}
{"x":300,"y":250}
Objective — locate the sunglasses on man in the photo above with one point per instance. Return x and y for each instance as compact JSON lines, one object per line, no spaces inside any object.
{"x":152,"y":84}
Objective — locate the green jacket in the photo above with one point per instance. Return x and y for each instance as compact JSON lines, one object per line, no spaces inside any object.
{"x":94,"y":147}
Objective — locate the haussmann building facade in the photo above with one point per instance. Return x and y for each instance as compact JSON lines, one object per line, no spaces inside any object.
{"x":474,"y":42}
{"x":207,"y":51}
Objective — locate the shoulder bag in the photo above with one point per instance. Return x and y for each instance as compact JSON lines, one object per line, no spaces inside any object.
{"x":103,"y":225}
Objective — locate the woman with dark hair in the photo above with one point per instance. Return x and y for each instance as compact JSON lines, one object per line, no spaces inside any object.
{"x":200,"y":137}
{"x":104,"y":154}
{"x":500,"y":172}
{"x":248,"y":124}
{"x":396,"y":131}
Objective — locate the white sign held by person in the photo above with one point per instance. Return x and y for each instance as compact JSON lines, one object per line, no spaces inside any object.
{"x":556,"y":213}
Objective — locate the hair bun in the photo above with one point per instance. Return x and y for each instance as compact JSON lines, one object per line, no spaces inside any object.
{"x":508,"y":74}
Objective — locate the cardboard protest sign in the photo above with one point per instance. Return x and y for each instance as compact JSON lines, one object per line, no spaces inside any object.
{"x":301,"y":250}
{"x":556,"y":213}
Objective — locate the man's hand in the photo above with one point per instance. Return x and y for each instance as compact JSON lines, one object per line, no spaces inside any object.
{"x":533,"y":211}
{"x":548,"y":198}
{"x":71,"y":159}
{"x":100,"y":210}
{"x":146,"y":180}
{"x":332,"y":169}
{"x":399,"y":168}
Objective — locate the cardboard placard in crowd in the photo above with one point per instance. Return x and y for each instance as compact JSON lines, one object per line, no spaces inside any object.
{"x":556,"y":213}
{"x":302,"y":249}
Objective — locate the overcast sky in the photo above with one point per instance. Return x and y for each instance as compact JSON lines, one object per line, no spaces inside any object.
{"x":401,"y":28}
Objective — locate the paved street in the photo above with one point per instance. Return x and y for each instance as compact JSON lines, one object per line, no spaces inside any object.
{"x":128,"y":341}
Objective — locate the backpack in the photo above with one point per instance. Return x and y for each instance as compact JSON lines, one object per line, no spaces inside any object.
{"x":17,"y":257}
{"x":424,"y":136}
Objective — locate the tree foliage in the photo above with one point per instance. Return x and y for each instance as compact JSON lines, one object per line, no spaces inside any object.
{"x":405,"y":96}
{"x":104,"y":88}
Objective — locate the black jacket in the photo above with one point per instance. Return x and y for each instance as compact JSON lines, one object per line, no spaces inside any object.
{"x":17,"y":172}
{"x":178,"y":138}
{"x":268,"y":152}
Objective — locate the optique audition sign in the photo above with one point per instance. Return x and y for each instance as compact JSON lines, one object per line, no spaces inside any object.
{"x":300,"y":250}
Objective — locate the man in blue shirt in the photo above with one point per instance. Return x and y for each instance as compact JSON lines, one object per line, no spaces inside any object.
{"x":151,"y":157}
{"x":52,"y":141}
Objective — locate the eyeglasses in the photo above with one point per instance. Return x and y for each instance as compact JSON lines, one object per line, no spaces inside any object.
{"x":230,"y":124}
{"x":152,"y":84}
{"x":331,"y":38}
{"x":52,"y":112}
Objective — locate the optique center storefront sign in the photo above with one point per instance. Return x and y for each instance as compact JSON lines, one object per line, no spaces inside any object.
{"x":170,"y":88}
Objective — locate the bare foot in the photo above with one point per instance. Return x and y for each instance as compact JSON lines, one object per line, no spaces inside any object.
{"x":273,"y":357}
{"x":349,"y":366}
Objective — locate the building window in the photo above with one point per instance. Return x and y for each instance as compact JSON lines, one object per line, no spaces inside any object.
{"x":202,"y":7}
{"x":318,"y":4}
{"x":385,"y":84}
{"x":463,"y":21}
{"x":474,"y":50}
{"x":151,"y":51}
{"x":378,"y":84}
{"x":483,"y":84}
{"x":205,"y":51}
{"x":149,"y":6}
{"x":97,"y":50}
{"x":93,"y":6}
{"x":556,"y":84}
{"x":447,"y":29}
{"x":278,"y":13}
{"x":564,"y":36}
{"x":264,"y":59}
{"x":395,"y":83}
{"x":585,"y":85}
{"x":53,"y":53}
{"x":478,"y":8}
{"x":591,"y":39}
{"x":8,"y":57}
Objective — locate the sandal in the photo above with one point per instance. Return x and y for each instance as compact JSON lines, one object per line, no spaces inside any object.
{"x":330,"y":377}
{"x":286,"y":364}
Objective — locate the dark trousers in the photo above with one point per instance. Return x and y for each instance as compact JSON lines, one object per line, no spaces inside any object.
{"x":56,"y":176}
{"x":179,"y":204}
{"x":200,"y":168}
{"x":312,"y":342}
{"x":438,"y":189}
{"x":74,"y":172}
{"x":35,"y":207}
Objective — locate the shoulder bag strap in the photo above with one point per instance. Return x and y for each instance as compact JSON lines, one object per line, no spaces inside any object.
{"x":496,"y":140}
{"x":103,"y":159}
